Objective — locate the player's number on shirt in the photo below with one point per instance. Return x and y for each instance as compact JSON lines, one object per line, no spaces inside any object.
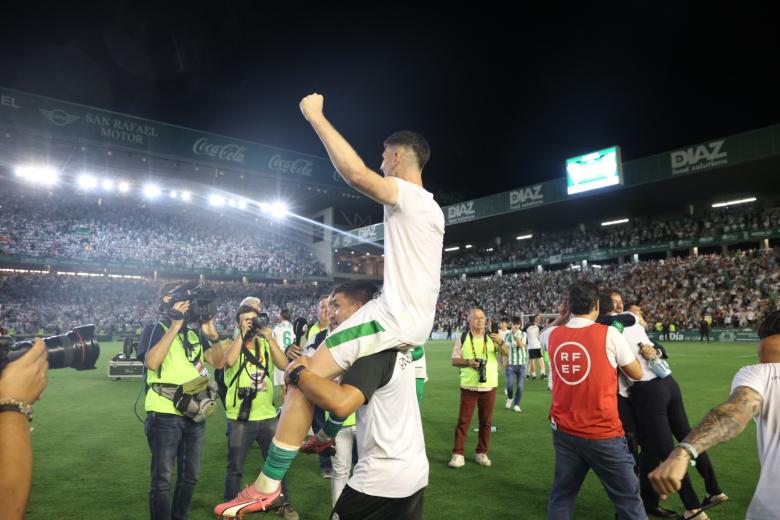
{"x":287,"y":338}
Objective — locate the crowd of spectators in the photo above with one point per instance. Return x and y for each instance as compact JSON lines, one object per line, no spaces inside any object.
{"x":159,"y":235}
{"x":713,"y":223}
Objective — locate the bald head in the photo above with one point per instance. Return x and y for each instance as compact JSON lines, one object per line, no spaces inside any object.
{"x":769,"y":349}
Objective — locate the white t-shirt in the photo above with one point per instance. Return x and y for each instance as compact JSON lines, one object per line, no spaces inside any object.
{"x":392,"y":461}
{"x":765,"y":379}
{"x":634,"y":335}
{"x":532,"y":332}
{"x":414,"y":239}
{"x":284,"y":335}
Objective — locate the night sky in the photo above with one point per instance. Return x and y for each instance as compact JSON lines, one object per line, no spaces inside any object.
{"x":503,"y":98}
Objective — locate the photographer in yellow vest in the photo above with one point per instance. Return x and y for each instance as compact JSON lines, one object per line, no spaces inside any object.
{"x":250,"y":363}
{"x":474,"y":353}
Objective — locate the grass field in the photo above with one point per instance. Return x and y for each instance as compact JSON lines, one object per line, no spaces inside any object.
{"x":92,"y":461}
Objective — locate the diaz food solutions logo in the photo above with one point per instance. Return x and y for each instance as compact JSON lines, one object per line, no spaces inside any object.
{"x":526,"y":197}
{"x":461,"y":212}
{"x":227,"y":152}
{"x":697,"y":158}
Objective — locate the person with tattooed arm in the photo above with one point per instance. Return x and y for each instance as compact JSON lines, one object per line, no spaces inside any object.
{"x":755,"y":395}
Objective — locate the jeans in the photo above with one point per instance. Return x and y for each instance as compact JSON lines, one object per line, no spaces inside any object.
{"x":515,"y":378}
{"x":484,"y":402}
{"x":241,"y":435}
{"x":346,"y":439}
{"x":173,"y":439}
{"x":612,"y":463}
{"x":317,"y":422}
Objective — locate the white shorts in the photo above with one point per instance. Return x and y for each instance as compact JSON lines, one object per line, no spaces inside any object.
{"x":361,"y":335}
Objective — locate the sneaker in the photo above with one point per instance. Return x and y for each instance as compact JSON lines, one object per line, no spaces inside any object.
{"x":506,"y":392}
{"x":314,"y":446}
{"x":326,"y":473}
{"x":456,"y":461}
{"x":533,"y":377}
{"x":517,"y":408}
{"x":288,"y":512}
{"x":482,"y":459}
{"x":713,"y":500}
{"x":248,"y":500}
{"x":508,"y":404}
{"x":697,"y":514}
{"x":544,"y":376}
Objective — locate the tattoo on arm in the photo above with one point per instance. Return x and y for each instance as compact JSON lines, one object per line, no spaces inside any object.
{"x":727,"y":420}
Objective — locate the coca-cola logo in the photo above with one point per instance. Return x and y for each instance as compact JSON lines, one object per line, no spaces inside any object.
{"x":294,"y":166}
{"x":225,"y":152}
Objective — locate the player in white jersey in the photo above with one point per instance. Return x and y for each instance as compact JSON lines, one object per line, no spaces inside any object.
{"x":755,"y":394}
{"x":284,"y":334}
{"x":402,"y":316}
{"x":534,"y":347}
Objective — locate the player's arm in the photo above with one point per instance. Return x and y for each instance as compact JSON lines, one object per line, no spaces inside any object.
{"x":624,"y":355}
{"x":347,"y":162}
{"x":722,"y":423}
{"x":340,"y":400}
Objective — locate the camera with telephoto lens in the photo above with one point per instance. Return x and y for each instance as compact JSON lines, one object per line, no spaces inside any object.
{"x":203,"y":305}
{"x":247,"y":395}
{"x":258,"y":323}
{"x":482,"y":370}
{"x":76,"y":348}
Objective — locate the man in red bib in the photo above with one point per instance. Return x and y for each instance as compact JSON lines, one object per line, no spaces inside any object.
{"x":587,"y":432}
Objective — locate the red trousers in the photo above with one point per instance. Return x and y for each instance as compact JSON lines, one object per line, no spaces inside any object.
{"x":484,"y":402}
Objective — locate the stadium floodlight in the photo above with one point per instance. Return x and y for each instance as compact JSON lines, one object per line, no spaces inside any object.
{"x":489,"y":250}
{"x":173,"y":194}
{"x":733,"y":202}
{"x":186,"y":196}
{"x":152,"y":191}
{"x":524,"y":237}
{"x":278,"y":209}
{"x":86,"y":181}
{"x":216,"y":200}
{"x":468,"y":246}
{"x":242,"y":204}
{"x":36,"y":174}
{"x":232,"y":203}
{"x":614,"y":222}
{"x":107,"y":184}
{"x":264,"y":207}
{"x":124,"y":186}
{"x":453,"y":248}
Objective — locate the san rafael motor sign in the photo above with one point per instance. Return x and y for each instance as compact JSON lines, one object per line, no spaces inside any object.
{"x":701,"y":157}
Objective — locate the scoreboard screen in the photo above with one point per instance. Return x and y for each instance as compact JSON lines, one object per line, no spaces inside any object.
{"x":594,"y":170}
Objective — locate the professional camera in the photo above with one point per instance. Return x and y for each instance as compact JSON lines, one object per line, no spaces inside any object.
{"x":258,"y":323}
{"x":75,"y":349}
{"x":247,"y":395}
{"x":482,"y":370}
{"x":203,"y":305}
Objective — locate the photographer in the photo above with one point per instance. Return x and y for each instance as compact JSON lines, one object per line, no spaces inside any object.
{"x":179,"y":395}
{"x":250,"y":364}
{"x":474,"y":353}
{"x":21,"y":384}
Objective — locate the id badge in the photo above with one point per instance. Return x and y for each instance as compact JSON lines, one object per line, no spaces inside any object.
{"x":259,"y":381}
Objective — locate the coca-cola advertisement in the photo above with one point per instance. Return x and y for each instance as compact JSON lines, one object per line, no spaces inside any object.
{"x":226,"y":152}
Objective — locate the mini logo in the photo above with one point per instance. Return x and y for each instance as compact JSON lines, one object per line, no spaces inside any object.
{"x":619,"y":326}
{"x":226,"y":152}
{"x":58,"y":116}
{"x":572,"y":363}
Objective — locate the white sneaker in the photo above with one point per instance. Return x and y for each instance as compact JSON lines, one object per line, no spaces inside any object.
{"x":456,"y":461}
{"x":482,"y":459}
{"x":506,"y":392}
{"x":508,"y":404}
{"x":517,"y":408}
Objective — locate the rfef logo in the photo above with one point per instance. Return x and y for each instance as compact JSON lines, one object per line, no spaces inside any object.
{"x":572,"y":362}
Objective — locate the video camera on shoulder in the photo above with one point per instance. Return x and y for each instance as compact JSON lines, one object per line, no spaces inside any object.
{"x":203,"y":305}
{"x":77,"y":349}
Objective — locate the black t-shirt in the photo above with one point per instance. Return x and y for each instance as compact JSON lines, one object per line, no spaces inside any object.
{"x":627,"y":320}
{"x":370,"y":373}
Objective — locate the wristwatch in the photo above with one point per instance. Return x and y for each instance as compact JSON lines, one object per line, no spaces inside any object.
{"x":691,"y":451}
{"x":295,"y":374}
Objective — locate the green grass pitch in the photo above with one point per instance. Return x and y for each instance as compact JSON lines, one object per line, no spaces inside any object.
{"x":92,"y":461}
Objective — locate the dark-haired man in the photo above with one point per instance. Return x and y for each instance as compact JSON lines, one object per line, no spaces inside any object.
{"x":401,"y":317}
{"x":587,"y":432}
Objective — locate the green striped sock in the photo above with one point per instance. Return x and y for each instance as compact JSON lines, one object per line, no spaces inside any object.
{"x":278,"y":461}
{"x":332,"y":426}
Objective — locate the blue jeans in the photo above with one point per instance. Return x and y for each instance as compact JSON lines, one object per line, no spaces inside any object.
{"x":241,"y":435}
{"x":612,"y":463}
{"x":173,"y":439}
{"x":515,"y":378}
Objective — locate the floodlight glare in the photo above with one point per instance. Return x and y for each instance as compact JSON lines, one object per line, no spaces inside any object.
{"x":107,"y":184}
{"x":216,"y":200}
{"x":86,"y":182}
{"x":124,"y":186}
{"x":278,"y":209}
{"x":152,"y":191}
{"x":186,"y":196}
{"x":35,"y":174}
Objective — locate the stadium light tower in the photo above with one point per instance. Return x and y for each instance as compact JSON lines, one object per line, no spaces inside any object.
{"x":35,"y":174}
{"x":86,"y":181}
{"x":124,"y":186}
{"x":278,"y":209}
{"x":152,"y":191}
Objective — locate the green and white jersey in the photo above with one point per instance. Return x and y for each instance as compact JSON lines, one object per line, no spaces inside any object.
{"x":517,"y":354}
{"x":284,"y":334}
